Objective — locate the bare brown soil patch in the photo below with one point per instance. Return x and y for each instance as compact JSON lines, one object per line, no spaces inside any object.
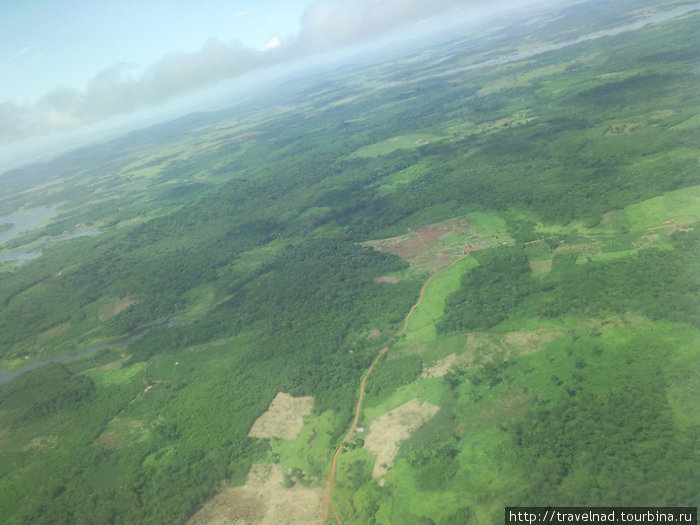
{"x":645,"y":241}
{"x":670,"y":226}
{"x":373,"y":333}
{"x":387,"y":279}
{"x":481,"y":348}
{"x":441,"y":367}
{"x":53,"y":332}
{"x":284,"y":418}
{"x":416,"y":244}
{"x":115,"y":307}
{"x":262,"y":500}
{"x":541,"y":266}
{"x":41,"y":442}
{"x":114,"y":364}
{"x":426,"y":247}
{"x":587,"y":250}
{"x":118,"y":432}
{"x":389,"y":430}
{"x":610,"y":216}
{"x":484,"y":347}
{"x":531,"y":340}
{"x":108,"y":441}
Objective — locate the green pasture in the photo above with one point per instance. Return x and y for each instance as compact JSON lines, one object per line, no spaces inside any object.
{"x":679,"y":206}
{"x":309,"y":450}
{"x":431,"y":390}
{"x":421,"y":325}
{"x":393,"y":182}
{"x":406,"y":142}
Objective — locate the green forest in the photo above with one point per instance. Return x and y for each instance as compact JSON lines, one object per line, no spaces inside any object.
{"x":517,"y":242}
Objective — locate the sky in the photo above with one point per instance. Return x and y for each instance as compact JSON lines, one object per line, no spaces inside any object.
{"x":65,"y":64}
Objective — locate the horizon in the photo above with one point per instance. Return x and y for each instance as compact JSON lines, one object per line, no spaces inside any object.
{"x":64,"y":119}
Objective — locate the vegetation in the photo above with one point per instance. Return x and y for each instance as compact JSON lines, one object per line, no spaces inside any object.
{"x":227,"y":260}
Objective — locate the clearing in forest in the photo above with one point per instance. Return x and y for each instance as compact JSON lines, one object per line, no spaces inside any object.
{"x":541,"y":266}
{"x":435,"y":246}
{"x":415,"y":244}
{"x":385,"y":147}
{"x":115,"y":307}
{"x":119,"y":433}
{"x":484,"y":347}
{"x":441,"y":367}
{"x":473,"y":349}
{"x":387,"y":279}
{"x":53,"y":332}
{"x":388,"y":431}
{"x":284,"y":418}
{"x":623,"y":129}
{"x":432,"y":247}
{"x":668,"y":211}
{"x":262,"y":500}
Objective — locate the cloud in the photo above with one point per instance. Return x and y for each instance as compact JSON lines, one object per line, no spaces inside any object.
{"x":331,"y":23}
{"x":24,"y":51}
{"x":272,"y":44}
{"x":121,"y":88}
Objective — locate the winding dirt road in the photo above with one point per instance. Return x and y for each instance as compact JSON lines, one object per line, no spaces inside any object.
{"x":358,"y":407}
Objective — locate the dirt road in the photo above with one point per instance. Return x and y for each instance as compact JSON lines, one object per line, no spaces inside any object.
{"x":358,"y":407}
{"x":358,"y":410}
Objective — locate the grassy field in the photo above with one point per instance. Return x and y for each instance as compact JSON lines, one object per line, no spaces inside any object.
{"x":402,"y":142}
{"x":421,"y":325}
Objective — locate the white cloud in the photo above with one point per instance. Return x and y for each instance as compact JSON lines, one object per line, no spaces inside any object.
{"x":121,"y":88}
{"x":272,"y":44}
{"x":330,"y":23}
{"x":21,"y":52}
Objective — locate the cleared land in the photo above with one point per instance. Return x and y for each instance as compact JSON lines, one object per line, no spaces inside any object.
{"x":440,"y":367}
{"x":388,"y":279}
{"x":401,"y":142}
{"x":388,"y":431}
{"x":435,"y":246}
{"x":284,"y":419}
{"x":427,"y":247}
{"x":115,"y":307}
{"x":55,"y":331}
{"x":262,"y":500}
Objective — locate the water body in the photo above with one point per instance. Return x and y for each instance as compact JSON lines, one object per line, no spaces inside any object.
{"x":21,"y":255}
{"x":85,"y":232}
{"x":8,"y":375}
{"x":506,"y":59}
{"x":26,"y":220}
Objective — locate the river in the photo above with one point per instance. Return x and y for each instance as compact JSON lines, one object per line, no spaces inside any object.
{"x":8,"y":375}
{"x":506,"y":59}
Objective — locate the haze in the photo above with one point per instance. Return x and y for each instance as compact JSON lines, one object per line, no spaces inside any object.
{"x":67,"y":65}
